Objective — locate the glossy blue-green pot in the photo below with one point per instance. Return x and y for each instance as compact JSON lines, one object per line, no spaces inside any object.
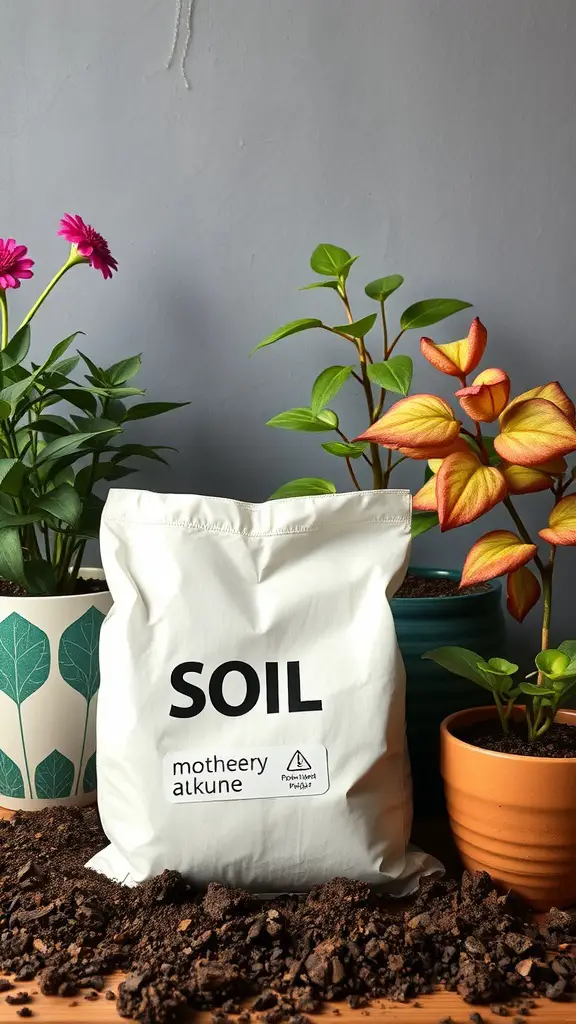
{"x":475,"y":621}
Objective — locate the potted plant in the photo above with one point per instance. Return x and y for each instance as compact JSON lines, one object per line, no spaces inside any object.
{"x":58,"y":439}
{"x":429,"y":605}
{"x":509,"y":769}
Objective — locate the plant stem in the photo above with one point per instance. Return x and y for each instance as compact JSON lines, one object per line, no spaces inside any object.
{"x":73,"y":259}
{"x":4,"y":306}
{"x":395,"y":342}
{"x":347,"y":441}
{"x":353,"y":475}
{"x":377,"y":475}
{"x":547,"y":595}
{"x":384,"y":329}
{"x":523,"y":532}
{"x":24,"y":751}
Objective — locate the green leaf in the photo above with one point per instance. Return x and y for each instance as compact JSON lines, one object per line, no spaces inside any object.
{"x":11,"y":395}
{"x":327,"y":385}
{"x":40,"y":578}
{"x":65,"y":366}
{"x":352,"y":450}
{"x":5,"y":410}
{"x":422,"y":522}
{"x":306,"y":485}
{"x":96,"y":371}
{"x":90,"y":781}
{"x":319,"y":284}
{"x":116,"y":410}
{"x":146,"y":409}
{"x":25,"y":660}
{"x":81,"y":399}
{"x":12,"y":473}
{"x":124,"y":370}
{"x":501,"y":667}
{"x":394,"y":374}
{"x":59,"y":350}
{"x":553,"y":663}
{"x":127,"y":451}
{"x":66,"y":445}
{"x":63,"y":503}
{"x":461,"y":662}
{"x":430,"y":311}
{"x":9,"y":519}
{"x":11,"y":557}
{"x":359,"y":328}
{"x":11,"y":781}
{"x":103,"y":471}
{"x":302,"y":419}
{"x":536,"y":691}
{"x":382,"y":287}
{"x":568,"y":647}
{"x":493,"y":457}
{"x":57,"y":426}
{"x":89,"y":525}
{"x":17,"y":348}
{"x":294,"y":327}
{"x":331,"y":260}
{"x":54,"y":777}
{"x":78,"y":653}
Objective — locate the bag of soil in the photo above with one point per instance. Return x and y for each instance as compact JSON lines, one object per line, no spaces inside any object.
{"x":251,"y":707}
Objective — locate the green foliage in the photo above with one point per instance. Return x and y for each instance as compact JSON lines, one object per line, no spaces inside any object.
{"x":11,"y":781}
{"x":304,"y":486}
{"x":78,"y":653}
{"x":422,"y":522}
{"x":54,"y":776}
{"x":374,"y":376}
{"x":556,"y":685}
{"x":25,"y":661}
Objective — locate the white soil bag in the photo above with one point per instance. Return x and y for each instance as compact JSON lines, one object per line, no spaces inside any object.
{"x":251,"y":706}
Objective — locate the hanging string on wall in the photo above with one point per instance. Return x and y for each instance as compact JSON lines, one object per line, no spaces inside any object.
{"x":187,"y":38}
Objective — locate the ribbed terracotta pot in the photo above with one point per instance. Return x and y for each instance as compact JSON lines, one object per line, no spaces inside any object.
{"x":512,"y":816}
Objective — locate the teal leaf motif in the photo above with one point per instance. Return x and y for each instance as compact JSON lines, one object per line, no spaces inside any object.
{"x":54,"y":776}
{"x":89,"y":783}
{"x":78,"y":653}
{"x":24,"y":657}
{"x":11,"y":781}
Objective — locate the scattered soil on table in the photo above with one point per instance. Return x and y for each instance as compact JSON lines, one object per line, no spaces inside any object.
{"x":68,"y":927}
{"x":89,"y":586}
{"x":442,"y":586}
{"x":559,"y":741}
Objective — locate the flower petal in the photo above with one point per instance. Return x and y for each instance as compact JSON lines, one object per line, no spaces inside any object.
{"x":552,"y":392}
{"x":457,"y":358}
{"x":415,"y":422}
{"x":522,"y":592}
{"x":496,"y":553}
{"x":485,"y":399}
{"x":466,"y":489}
{"x":425,"y":499}
{"x":533,"y":431}
{"x":524,"y":479}
{"x":562,"y":523}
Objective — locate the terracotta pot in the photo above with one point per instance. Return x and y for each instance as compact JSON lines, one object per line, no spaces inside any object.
{"x":512,"y":816}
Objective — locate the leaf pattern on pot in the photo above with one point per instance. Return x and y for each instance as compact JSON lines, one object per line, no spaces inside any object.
{"x":78,"y":653}
{"x":89,"y":782}
{"x":11,"y":781}
{"x":54,"y":776}
{"x":24,"y":657}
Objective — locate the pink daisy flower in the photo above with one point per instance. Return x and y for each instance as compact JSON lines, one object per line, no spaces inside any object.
{"x":13,"y":264}
{"x":89,"y":243}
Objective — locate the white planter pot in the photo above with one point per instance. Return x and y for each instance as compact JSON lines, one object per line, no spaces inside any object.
{"x":49,"y":678}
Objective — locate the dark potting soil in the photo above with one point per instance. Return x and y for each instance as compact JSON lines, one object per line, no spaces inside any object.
{"x":559,"y":741}
{"x":443,"y":586}
{"x":68,"y":927}
{"x":89,"y":586}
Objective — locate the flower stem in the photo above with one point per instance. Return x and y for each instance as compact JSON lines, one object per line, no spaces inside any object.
{"x":4,"y":306}
{"x":73,"y":259}
{"x":547,"y":595}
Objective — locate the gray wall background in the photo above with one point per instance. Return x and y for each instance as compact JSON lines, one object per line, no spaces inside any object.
{"x":434,"y":137}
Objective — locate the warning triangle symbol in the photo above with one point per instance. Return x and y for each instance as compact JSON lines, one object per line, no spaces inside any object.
{"x":298,"y":763}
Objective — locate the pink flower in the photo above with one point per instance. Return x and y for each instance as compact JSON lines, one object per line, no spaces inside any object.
{"x":89,"y":243}
{"x":13,"y":265}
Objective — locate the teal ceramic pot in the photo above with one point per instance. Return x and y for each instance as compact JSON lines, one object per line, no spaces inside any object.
{"x":475,"y":621}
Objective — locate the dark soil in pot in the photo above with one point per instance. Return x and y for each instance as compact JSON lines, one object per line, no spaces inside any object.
{"x":212,"y":949}
{"x":82,"y":586}
{"x":559,"y":741}
{"x":436,"y":586}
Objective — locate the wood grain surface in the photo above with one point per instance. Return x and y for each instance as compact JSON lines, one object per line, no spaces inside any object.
{"x":430,"y":1009}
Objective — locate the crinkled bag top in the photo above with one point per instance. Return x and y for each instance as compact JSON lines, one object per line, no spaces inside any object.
{"x":251,"y":708}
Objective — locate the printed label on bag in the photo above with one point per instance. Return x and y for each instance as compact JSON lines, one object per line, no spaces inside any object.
{"x":250,"y":773}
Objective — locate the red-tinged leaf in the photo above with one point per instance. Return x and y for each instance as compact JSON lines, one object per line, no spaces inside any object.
{"x":524,"y":479}
{"x":466,"y":489}
{"x":562,"y":523}
{"x":495,"y":554}
{"x":534,"y":431}
{"x":425,"y":499}
{"x":552,"y":392}
{"x":486,"y":397}
{"x":522,"y":592}
{"x":415,"y":422}
{"x":457,"y":358}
